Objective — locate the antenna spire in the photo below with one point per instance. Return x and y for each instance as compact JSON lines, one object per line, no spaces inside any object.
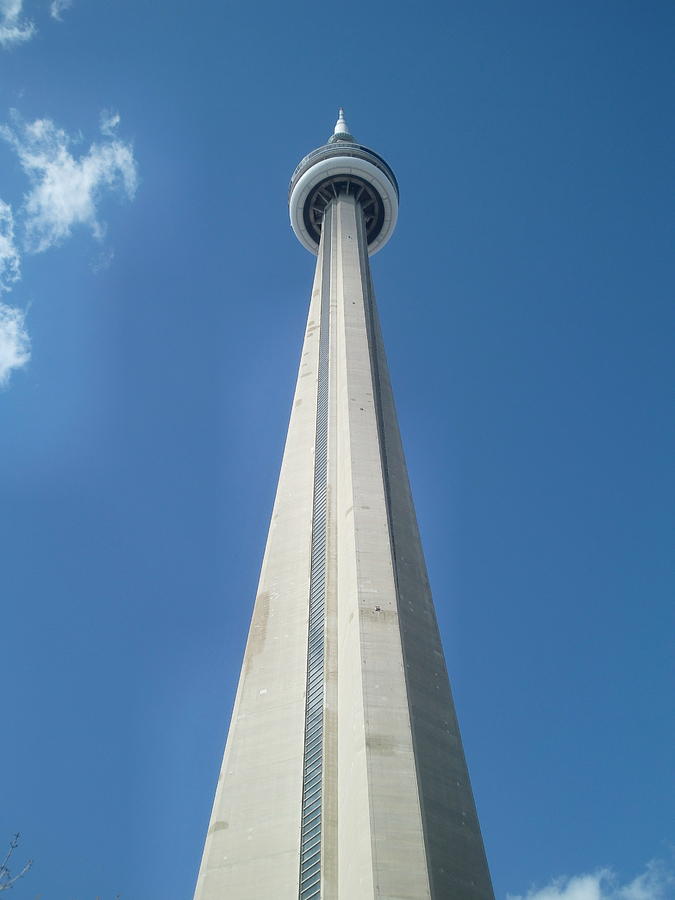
{"x":341,"y":125}
{"x":341,"y":131}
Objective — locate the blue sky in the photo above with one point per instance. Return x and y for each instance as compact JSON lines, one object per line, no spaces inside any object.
{"x":152,"y":312}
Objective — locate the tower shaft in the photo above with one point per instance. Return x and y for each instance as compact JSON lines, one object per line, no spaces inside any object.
{"x":344,"y":776}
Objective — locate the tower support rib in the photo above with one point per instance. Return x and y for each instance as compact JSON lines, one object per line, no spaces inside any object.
{"x":312,"y":775}
{"x":252,"y":848}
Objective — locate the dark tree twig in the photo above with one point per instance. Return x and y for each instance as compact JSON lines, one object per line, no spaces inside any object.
{"x":6,"y":879}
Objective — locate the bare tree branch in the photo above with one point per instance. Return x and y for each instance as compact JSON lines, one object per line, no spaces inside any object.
{"x":6,"y":879}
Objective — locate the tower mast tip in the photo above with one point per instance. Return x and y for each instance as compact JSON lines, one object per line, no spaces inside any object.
{"x":341,"y":126}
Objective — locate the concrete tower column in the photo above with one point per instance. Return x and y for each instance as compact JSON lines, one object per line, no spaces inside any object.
{"x":344,"y":776}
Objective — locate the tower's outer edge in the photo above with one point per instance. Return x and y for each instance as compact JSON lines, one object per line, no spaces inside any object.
{"x":455,"y":852}
{"x":253,"y":840}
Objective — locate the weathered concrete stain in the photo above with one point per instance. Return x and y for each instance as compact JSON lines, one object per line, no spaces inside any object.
{"x":256,"y":641}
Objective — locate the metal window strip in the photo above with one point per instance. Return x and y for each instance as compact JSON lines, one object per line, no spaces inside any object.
{"x":310,"y":831}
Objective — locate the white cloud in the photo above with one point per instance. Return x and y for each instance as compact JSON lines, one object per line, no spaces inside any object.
{"x":581,"y":887}
{"x":655,"y":883}
{"x":12,"y":29}
{"x":14,"y":341}
{"x":10,"y":261}
{"x":65,"y":189}
{"x":57,"y":7}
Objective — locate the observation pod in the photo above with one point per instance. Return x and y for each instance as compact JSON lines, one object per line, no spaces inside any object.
{"x":343,"y":167}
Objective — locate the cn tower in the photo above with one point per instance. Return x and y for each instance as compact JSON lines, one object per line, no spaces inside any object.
{"x":344,"y":776}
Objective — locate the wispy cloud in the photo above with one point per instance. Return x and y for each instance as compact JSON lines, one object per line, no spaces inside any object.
{"x":13,"y":30}
{"x":14,"y":341}
{"x":109,"y":121}
{"x":66,"y":189}
{"x":103,"y":260}
{"x":10,"y":261}
{"x":57,"y":7}
{"x":655,"y":883}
